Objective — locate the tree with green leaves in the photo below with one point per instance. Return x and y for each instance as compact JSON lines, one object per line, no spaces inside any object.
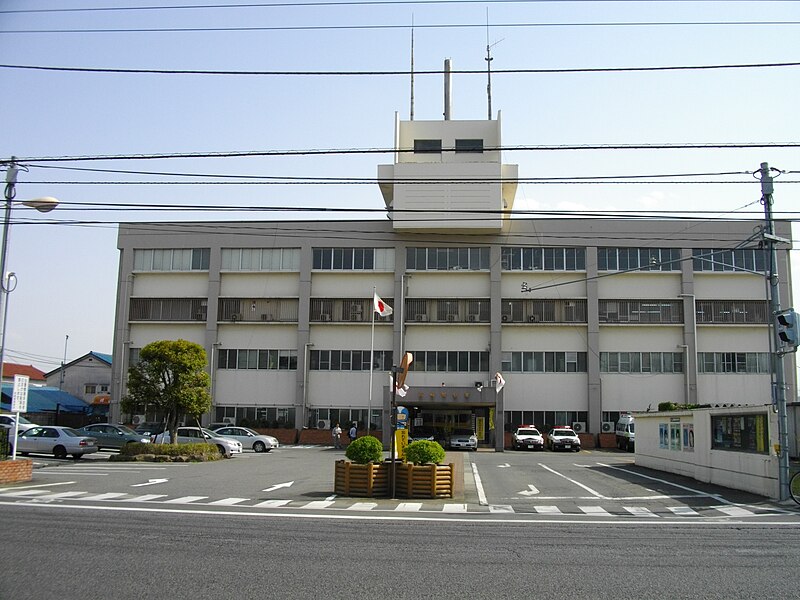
{"x":170,"y":375}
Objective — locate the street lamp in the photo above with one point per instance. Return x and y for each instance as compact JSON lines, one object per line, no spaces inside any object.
{"x":6,"y":287}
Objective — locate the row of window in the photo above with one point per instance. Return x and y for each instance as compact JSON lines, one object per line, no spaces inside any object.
{"x":448,"y":259}
{"x":733,"y":362}
{"x":350,"y":360}
{"x":442,"y":361}
{"x":544,"y":362}
{"x":432,"y":146}
{"x":641,"y":362}
{"x":359,"y":310}
{"x":257,"y":359}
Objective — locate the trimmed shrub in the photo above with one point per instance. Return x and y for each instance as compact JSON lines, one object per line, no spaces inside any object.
{"x":166,"y":452}
{"x":423,"y":452}
{"x":365,"y":450}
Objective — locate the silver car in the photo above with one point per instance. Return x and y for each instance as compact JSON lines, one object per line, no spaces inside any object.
{"x":8,"y":421}
{"x":55,"y":440}
{"x":249,"y":438}
{"x":195,"y":435}
{"x":112,"y":436}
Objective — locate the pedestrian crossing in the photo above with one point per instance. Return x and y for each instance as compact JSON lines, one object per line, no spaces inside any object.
{"x":40,"y":495}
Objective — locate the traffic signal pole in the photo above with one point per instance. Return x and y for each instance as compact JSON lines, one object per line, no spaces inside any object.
{"x":779,"y":378}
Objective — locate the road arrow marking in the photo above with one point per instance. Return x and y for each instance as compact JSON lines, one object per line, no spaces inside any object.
{"x":529,"y":492}
{"x":278,"y":486}
{"x":150,"y":482}
{"x":503,"y":466}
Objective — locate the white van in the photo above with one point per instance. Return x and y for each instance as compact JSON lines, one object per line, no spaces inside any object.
{"x":625,"y":433}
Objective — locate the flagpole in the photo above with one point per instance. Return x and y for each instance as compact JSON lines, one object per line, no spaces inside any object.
{"x":371,"y":359}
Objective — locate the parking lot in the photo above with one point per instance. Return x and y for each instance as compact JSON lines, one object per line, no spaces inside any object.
{"x":593,"y":483}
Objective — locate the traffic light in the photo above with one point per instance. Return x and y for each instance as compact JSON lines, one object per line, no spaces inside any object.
{"x":786,"y":324}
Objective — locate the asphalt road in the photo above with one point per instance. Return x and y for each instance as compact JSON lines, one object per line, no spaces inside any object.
{"x":56,"y":551}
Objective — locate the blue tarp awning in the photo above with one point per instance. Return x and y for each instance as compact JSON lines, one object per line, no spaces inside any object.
{"x":46,"y":399}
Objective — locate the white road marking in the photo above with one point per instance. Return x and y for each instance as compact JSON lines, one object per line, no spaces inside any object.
{"x":479,"y":486}
{"x":185,"y":499}
{"x":548,"y":510}
{"x":454,"y":508}
{"x":585,"y":487}
{"x":150,"y":482}
{"x":145,"y":498}
{"x":25,"y":493}
{"x":683,"y":511}
{"x":363,"y":506}
{"x":503,"y":466}
{"x":595,"y":511}
{"x":229,"y":501}
{"x":735,"y":511}
{"x":272,"y":503}
{"x":278,"y":486}
{"x":640,"y":511}
{"x":106,"y":496}
{"x":39,"y":485}
{"x":409,"y":507}
{"x":501,"y":508}
{"x":529,"y":492}
{"x":60,"y":495}
{"x":318,"y":504}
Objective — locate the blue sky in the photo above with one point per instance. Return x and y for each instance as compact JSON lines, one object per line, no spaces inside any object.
{"x":67,"y":270}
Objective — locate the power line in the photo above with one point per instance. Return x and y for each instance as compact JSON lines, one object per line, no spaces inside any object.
{"x":346,"y":151}
{"x":399,"y":73}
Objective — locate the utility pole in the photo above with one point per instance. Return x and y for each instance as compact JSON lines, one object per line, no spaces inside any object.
{"x":779,"y":379}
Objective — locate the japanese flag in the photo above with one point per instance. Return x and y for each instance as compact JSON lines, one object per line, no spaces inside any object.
{"x":381,"y":307}
{"x":500,"y":382}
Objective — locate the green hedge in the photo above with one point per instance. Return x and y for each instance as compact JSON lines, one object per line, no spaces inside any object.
{"x":424,"y":452}
{"x":193,"y":452}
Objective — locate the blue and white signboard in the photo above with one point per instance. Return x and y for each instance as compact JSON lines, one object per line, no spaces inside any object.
{"x":402,"y":417}
{"x":19,"y":399}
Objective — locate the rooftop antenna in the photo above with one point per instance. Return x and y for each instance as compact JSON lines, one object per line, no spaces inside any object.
{"x":489,"y":64}
{"x":447,"y":89}
{"x":411,"y":115}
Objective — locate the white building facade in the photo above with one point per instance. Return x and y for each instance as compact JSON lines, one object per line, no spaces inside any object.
{"x":584,"y":318}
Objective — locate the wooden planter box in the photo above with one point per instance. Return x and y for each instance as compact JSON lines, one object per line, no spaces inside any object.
{"x":368,"y":481}
{"x":424,"y":481}
{"x":411,"y":481}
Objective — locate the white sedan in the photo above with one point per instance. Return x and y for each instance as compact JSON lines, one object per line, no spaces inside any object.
{"x":55,"y":440}
{"x":249,"y":438}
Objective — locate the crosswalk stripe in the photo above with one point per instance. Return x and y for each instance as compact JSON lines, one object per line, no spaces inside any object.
{"x":454,"y":508}
{"x":23,"y":493}
{"x":597,"y":511}
{"x":60,"y":495}
{"x":548,"y":510}
{"x":272,"y":503}
{"x":363,"y":506}
{"x":229,"y":501}
{"x":501,"y":508}
{"x":735,"y":511}
{"x":319,"y":504}
{"x":145,"y":497}
{"x":106,"y":496}
{"x":683,"y":511}
{"x":409,"y":507}
{"x":640,"y":511}
{"x":185,"y":499}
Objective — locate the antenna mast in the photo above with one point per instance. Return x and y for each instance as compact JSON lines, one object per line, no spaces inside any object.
{"x":488,"y":67}
{"x":411,"y":113}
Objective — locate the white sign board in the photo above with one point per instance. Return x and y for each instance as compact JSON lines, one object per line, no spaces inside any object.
{"x":19,"y":401}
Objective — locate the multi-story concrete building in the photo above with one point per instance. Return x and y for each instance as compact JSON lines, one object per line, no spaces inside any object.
{"x":583,"y":318}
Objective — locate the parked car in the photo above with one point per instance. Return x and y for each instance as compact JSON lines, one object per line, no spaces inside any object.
{"x":109,"y":435}
{"x":56,"y":440}
{"x":249,"y":438}
{"x":463,"y":438}
{"x":8,"y":420}
{"x":527,"y":437}
{"x":625,"y":433}
{"x":195,"y":435}
{"x":149,"y":428}
{"x":563,"y":438}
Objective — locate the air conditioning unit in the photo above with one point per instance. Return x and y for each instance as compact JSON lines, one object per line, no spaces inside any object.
{"x":579,"y":426}
{"x":138,"y":419}
{"x":472,"y":318}
{"x":534,"y":319}
{"x":421,"y":318}
{"x":356,"y":309}
{"x":324,"y":317}
{"x":199,"y":317}
{"x":267,"y":317}
{"x":506,"y":318}
{"x":452,"y":318}
{"x":236,"y":317}
{"x":607,"y":427}
{"x":324,"y":424}
{"x":229,"y":420}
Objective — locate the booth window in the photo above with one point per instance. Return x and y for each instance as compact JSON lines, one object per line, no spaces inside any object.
{"x":743,"y":433}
